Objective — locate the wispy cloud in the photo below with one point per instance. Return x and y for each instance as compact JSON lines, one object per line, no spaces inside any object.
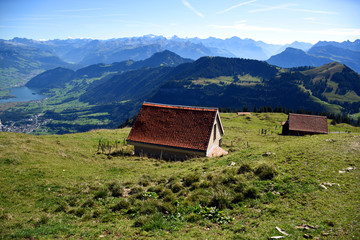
{"x":235,"y":6}
{"x":188,"y":5}
{"x":272,"y":8}
{"x":312,"y":11}
{"x":351,"y":32}
{"x":355,"y":32}
{"x":80,"y":10}
{"x":291,"y":7}
{"x":244,"y":26}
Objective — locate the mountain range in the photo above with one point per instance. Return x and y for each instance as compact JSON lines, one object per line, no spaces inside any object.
{"x":24,"y":58}
{"x":105,"y":95}
{"x":347,"y":53}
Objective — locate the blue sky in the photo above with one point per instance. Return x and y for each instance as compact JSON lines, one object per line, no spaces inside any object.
{"x":272,"y":21}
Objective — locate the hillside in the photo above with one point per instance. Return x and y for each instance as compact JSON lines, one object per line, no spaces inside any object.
{"x":104,"y":96}
{"x":293,"y":89}
{"x":63,"y":186}
{"x":58,"y":77}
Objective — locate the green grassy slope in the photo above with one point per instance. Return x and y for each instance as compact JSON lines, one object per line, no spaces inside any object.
{"x":59,"y":186}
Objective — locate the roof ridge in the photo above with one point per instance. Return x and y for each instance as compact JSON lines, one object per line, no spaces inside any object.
{"x":180,"y":106}
{"x":307,"y":115}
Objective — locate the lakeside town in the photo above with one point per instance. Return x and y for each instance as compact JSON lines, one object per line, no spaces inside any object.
{"x":24,"y":126}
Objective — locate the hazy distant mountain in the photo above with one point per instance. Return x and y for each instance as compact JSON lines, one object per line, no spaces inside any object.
{"x":19,"y":61}
{"x":347,"y":53}
{"x":353,"y":46}
{"x":248,"y":48}
{"x":298,"y":45}
{"x":242,"y":48}
{"x":293,"y":57}
{"x":342,"y":55}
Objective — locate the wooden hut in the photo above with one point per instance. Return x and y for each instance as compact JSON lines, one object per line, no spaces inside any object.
{"x":301,"y":124}
{"x":177,"y":132}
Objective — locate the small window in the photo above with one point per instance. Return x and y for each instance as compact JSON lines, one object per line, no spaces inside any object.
{"x":215,"y":132}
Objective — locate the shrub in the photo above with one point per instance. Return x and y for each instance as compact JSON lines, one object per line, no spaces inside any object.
{"x":199,"y":196}
{"x":116,"y":189}
{"x":62,"y":207}
{"x":88,"y":203}
{"x":156,"y":189}
{"x":238,"y":197}
{"x":145,"y":180}
{"x":122,"y":204}
{"x":239,"y":188}
{"x":244,"y":168}
{"x":190,"y":179}
{"x":101,"y":194}
{"x":265,"y":172}
{"x":205,"y":184}
{"x":135,"y":190}
{"x":251,"y":192}
{"x":229,"y":179}
{"x":155,"y":222}
{"x":79,"y":212}
{"x":140,"y":221}
{"x":176,"y":187}
{"x":193,"y":217}
{"x":220,"y":199}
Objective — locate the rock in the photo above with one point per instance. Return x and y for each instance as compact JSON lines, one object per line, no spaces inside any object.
{"x":282,"y":231}
{"x":308,"y":236}
{"x":267,"y":154}
{"x":276,"y":237}
{"x":231,"y":164}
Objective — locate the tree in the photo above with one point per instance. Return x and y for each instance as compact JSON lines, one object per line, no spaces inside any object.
{"x":246,"y":109}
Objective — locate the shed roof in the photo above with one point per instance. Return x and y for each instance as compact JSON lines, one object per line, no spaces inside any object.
{"x":307,"y":123}
{"x":174,"y":126}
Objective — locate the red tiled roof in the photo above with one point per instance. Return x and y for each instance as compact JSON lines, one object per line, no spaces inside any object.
{"x":174,"y":126}
{"x":307,"y":123}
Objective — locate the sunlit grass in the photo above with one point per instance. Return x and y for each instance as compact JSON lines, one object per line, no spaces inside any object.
{"x":57,"y":186}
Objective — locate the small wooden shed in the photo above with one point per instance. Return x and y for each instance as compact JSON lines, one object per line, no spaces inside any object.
{"x":302,"y":124}
{"x":177,"y":132}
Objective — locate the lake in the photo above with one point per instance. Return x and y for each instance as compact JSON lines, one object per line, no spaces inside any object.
{"x":23,"y":94}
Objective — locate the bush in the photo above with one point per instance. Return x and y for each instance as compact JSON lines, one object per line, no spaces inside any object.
{"x":79,"y":212}
{"x":251,"y":192}
{"x":176,"y":187}
{"x":122,"y":204}
{"x":136,"y":190}
{"x":265,"y":172}
{"x":193,"y":217}
{"x":190,"y":179}
{"x":88,"y":203}
{"x":229,"y":179}
{"x":144,"y":180}
{"x":221,"y":199}
{"x":239,"y":197}
{"x":205,"y":184}
{"x":244,"y":168}
{"x":155,"y":222}
{"x":200,"y":196}
{"x":101,"y":194}
{"x":116,"y":189}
